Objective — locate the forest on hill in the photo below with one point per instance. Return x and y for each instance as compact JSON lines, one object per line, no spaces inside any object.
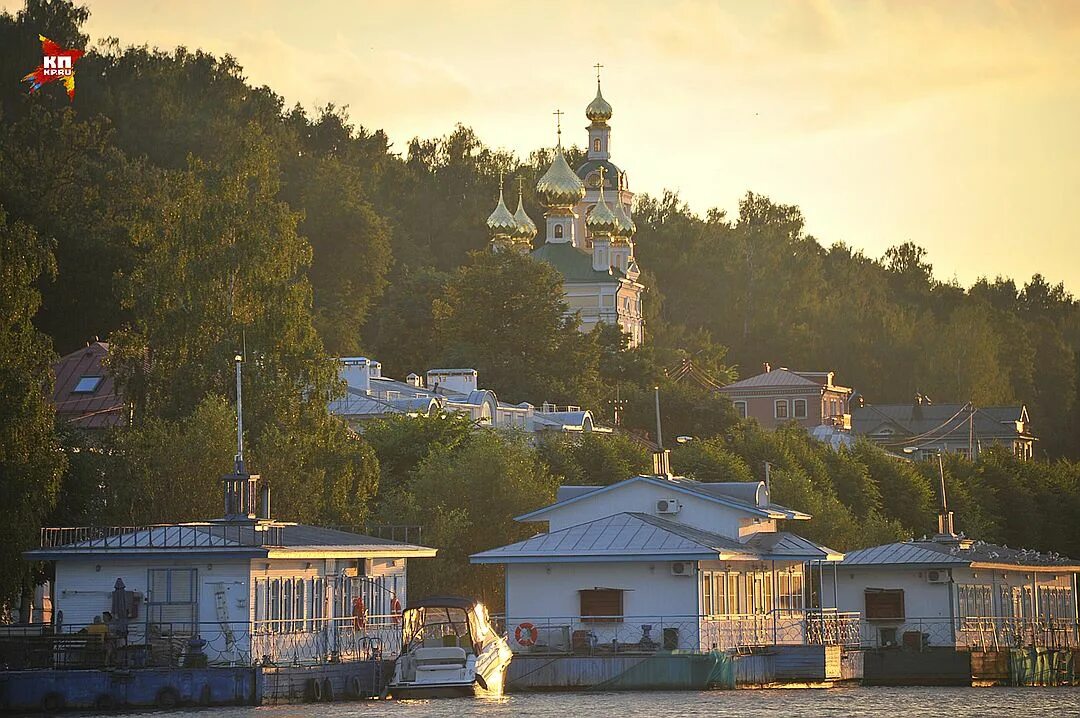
{"x":182,"y":213}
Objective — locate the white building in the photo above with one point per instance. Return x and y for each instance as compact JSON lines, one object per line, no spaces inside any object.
{"x":254,"y":589}
{"x":369,"y":395}
{"x":953,"y":591}
{"x":594,"y":255}
{"x":666,"y":562}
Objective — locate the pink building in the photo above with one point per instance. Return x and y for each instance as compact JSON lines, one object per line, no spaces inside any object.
{"x":777,"y":396}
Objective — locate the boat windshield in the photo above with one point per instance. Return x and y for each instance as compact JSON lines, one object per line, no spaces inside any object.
{"x":437,"y":626}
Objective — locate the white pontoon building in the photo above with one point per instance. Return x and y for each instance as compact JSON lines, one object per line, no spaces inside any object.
{"x":663,"y":562}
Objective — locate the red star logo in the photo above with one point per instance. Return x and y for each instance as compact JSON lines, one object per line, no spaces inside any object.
{"x":56,"y":64}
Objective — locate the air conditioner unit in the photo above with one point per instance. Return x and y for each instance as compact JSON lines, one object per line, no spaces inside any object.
{"x":668,"y":506}
{"x":937,"y":576}
{"x":682,"y":568}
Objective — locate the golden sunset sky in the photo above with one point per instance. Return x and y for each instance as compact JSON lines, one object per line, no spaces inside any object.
{"x":953,"y":124}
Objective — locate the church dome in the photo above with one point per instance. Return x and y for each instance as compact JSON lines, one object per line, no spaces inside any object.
{"x":560,"y":187}
{"x":599,"y":110}
{"x":602,"y":220}
{"x":626,"y":228}
{"x":526,"y":228}
{"x":501,"y":222}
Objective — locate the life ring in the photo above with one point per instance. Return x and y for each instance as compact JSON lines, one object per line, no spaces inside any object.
{"x":526,"y":634}
{"x":359,"y":614}
{"x":395,"y":609}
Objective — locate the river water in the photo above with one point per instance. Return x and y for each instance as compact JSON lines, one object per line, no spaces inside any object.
{"x":846,"y":701}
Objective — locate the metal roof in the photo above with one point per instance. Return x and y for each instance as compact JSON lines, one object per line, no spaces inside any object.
{"x":776,"y":377}
{"x":97,"y":409}
{"x":937,"y":421}
{"x":635,"y":536}
{"x":574,"y":264}
{"x":730,"y":494}
{"x":255,"y":538}
{"x":785,"y":544}
{"x":952,"y":553}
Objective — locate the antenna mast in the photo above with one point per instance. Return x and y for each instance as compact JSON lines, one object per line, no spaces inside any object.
{"x":239,"y":416}
{"x":659,"y":432}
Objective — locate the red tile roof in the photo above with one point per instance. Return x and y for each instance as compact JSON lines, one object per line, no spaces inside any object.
{"x":96,"y":409}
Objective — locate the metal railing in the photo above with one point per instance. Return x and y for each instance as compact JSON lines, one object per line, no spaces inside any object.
{"x":193,"y":645}
{"x":976,"y":633}
{"x":187,"y":535}
{"x":599,"y":635}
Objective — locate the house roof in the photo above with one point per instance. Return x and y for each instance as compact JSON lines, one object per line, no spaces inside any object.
{"x":965,"y":553}
{"x":94,"y":405}
{"x":774,"y":378}
{"x":634,"y":536}
{"x":270,"y":539}
{"x":938,"y":421}
{"x":730,"y":494}
{"x":574,"y":264}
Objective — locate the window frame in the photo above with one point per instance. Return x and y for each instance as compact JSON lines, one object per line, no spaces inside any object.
{"x":777,"y":403}
{"x":795,"y":409}
{"x":96,"y":378}
{"x":592,"y":601}
{"x":740,"y":408}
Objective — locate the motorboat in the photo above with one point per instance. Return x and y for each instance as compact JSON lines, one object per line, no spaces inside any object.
{"x":449,"y":648}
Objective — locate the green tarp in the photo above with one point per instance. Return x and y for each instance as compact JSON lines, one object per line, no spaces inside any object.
{"x":1041,"y":667}
{"x":676,"y":671}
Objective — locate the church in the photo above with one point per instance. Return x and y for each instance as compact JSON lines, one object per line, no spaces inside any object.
{"x":588,"y":230}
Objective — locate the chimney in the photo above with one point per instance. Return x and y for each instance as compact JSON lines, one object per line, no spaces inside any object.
{"x":458,"y":381}
{"x":357,"y":372}
{"x":264,"y":508}
{"x":661,"y":462}
{"x":766,"y":367}
{"x":241,"y":493}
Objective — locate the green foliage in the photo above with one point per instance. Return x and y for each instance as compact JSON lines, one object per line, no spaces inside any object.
{"x":30,"y":460}
{"x":454,"y":495}
{"x":593,"y":458}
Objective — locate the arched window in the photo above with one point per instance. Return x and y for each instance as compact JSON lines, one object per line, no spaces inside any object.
{"x":558,"y":231}
{"x":596,"y":145}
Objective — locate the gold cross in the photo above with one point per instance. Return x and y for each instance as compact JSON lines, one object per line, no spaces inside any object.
{"x":598,"y":66}
{"x":558,"y":125}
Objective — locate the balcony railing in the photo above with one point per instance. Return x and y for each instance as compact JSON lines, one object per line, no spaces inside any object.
{"x":600,"y":635}
{"x":977,"y":633}
{"x":187,"y":535}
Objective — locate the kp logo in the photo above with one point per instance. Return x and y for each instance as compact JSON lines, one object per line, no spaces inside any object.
{"x":57,"y":64}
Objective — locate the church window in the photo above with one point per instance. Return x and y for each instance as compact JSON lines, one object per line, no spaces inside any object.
{"x":596,"y":145}
{"x":558,"y":231}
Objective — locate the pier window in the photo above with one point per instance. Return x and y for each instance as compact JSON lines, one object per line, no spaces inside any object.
{"x":298,"y":597}
{"x":707,"y":606}
{"x":273,"y":588}
{"x":975,"y":601}
{"x":172,"y":603}
{"x":734,"y":601}
{"x":602,"y":604}
{"x":884,"y":604}
{"x":720,"y":602}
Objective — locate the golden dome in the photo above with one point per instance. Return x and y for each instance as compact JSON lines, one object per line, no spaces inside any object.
{"x":526,"y":228}
{"x":560,"y":187}
{"x":501,"y":222}
{"x":626,"y":228}
{"x":599,"y":110}
{"x":602,"y":220}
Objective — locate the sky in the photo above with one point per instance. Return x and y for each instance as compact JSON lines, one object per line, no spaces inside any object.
{"x":954,"y":124}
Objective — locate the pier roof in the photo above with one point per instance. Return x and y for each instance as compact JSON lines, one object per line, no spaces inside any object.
{"x":635,"y":536}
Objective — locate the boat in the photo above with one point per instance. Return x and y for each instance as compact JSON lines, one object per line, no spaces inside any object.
{"x":449,"y":648}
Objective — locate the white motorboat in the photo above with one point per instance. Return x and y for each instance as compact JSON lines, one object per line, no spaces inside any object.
{"x":449,"y":648}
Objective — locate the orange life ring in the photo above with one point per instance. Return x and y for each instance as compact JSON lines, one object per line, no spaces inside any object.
{"x":526,"y":634}
{"x":359,"y":614}
{"x":395,"y":609}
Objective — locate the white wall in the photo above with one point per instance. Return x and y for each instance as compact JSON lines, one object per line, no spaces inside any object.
{"x":641,"y":497}
{"x":547,"y":595}
{"x":927,"y":605}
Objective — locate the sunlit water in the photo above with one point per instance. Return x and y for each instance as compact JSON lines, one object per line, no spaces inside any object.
{"x":853,"y":701}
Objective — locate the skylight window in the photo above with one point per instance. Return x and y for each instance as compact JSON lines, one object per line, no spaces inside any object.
{"x":87,"y":385}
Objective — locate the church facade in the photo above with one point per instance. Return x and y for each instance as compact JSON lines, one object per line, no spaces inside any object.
{"x":588,"y":231}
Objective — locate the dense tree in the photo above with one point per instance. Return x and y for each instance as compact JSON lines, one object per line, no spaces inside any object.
{"x":31,"y":462}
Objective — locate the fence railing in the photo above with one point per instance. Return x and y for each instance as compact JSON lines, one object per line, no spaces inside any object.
{"x":193,"y":535}
{"x":193,"y":645}
{"x":983,"y":633}
{"x":600,"y":635}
